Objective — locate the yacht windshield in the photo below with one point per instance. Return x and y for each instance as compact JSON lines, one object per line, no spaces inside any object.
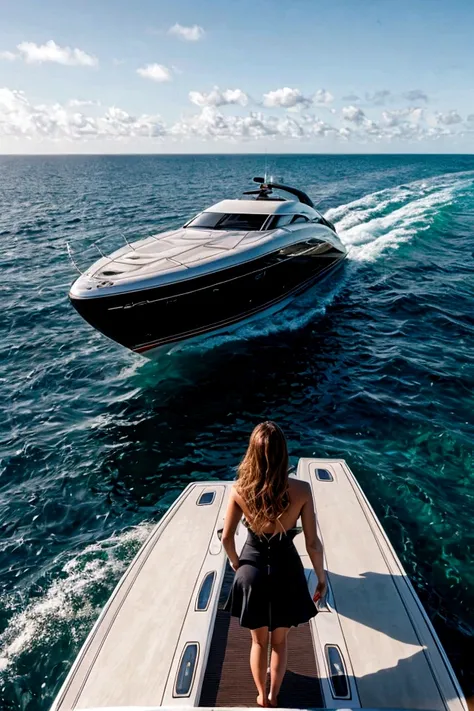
{"x":222,"y":221}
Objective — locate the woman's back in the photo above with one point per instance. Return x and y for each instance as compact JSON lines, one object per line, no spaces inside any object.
{"x":297,"y":495}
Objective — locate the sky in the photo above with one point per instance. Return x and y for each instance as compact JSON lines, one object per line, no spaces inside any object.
{"x":342,"y":76}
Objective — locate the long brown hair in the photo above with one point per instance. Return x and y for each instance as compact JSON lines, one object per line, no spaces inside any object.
{"x":263,"y":475}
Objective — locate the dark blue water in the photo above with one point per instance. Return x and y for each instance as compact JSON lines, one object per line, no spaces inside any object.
{"x":96,"y":442}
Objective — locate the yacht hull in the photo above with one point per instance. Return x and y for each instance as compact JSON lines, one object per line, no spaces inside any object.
{"x":238,"y":326}
{"x":149,"y":320}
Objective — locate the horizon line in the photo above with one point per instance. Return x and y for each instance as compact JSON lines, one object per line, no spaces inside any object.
{"x":168,"y":155}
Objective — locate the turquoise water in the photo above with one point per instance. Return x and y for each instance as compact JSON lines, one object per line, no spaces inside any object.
{"x":97,"y":442}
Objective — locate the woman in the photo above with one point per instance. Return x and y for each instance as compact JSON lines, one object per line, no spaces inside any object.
{"x":270,"y":593}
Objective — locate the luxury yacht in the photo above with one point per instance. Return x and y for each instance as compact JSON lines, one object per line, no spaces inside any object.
{"x":165,"y":640}
{"x":232,"y":262}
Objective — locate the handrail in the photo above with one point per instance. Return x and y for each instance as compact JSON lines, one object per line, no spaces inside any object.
{"x":92,"y":246}
{"x":71,"y":257}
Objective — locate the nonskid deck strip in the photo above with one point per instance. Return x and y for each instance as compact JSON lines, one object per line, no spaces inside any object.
{"x":228,"y":680}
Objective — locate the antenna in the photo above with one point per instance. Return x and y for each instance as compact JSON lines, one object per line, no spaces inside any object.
{"x":266,"y":168}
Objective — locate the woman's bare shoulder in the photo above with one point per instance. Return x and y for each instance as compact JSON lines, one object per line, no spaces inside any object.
{"x":299,"y":489}
{"x":234,"y":491}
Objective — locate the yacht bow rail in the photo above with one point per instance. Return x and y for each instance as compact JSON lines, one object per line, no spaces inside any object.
{"x":151,"y":257}
{"x":96,"y":245}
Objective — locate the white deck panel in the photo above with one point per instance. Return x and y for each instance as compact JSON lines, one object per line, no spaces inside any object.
{"x":129,"y":657}
{"x":260,"y":207}
{"x":391,"y":644}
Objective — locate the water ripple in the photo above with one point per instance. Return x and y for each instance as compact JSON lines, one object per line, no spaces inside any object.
{"x":96,"y":442}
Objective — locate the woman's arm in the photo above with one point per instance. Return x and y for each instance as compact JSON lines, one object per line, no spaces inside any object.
{"x":232,"y":518}
{"x":314,"y":546}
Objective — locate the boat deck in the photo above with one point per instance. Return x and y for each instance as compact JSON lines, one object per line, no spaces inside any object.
{"x":228,"y":680}
{"x":164,"y":639}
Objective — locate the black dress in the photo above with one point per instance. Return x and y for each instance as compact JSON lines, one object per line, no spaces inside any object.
{"x":270,"y":588}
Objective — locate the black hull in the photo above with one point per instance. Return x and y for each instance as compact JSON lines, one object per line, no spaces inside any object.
{"x":147,"y":319}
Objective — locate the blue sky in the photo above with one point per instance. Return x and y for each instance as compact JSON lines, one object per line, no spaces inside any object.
{"x":208,"y":76}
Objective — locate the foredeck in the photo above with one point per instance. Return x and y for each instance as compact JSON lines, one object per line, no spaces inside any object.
{"x":164,"y":638}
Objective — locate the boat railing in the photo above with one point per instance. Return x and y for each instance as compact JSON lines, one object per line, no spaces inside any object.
{"x":96,"y":246}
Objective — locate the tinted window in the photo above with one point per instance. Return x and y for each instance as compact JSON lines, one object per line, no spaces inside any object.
{"x":220,"y":221}
{"x":206,"y":498}
{"x":337,"y":673}
{"x":323,"y":475}
{"x":205,"y":592}
{"x":299,"y":218}
{"x":279,"y":221}
{"x":206,"y":219}
{"x":185,"y":675}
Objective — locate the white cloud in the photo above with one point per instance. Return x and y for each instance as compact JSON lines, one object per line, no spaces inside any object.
{"x":54,"y":122}
{"x":190,"y":34}
{"x":354,"y":114}
{"x":8,"y":56}
{"x":470,"y":117}
{"x":82,"y":102}
{"x":216,"y":97}
{"x":80,"y":121}
{"x":448,"y":118}
{"x":415,"y":95}
{"x":286,"y":98}
{"x":416,"y":114}
{"x":211,"y":124}
{"x":156,"y":72}
{"x":399,"y":116}
{"x":33,"y":53}
{"x":323,"y":97}
{"x":314,"y":127}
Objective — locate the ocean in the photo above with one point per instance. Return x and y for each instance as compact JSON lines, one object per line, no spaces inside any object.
{"x":97,"y":442}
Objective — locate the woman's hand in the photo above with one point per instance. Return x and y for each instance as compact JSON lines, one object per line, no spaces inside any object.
{"x":321,"y":590}
{"x":234,"y":565}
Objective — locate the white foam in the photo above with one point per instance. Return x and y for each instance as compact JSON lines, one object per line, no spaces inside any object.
{"x":359,"y":210}
{"x":368,"y":229}
{"x":70,"y":596}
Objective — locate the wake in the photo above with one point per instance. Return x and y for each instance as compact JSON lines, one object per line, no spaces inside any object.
{"x":388,"y":218}
{"x":70,"y":600}
{"x":369,"y":227}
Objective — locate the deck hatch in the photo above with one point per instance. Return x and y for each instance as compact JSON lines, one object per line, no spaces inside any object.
{"x":205,"y":592}
{"x":337,"y":673}
{"x":187,"y":667}
{"x":206,"y":498}
{"x":324,"y":475}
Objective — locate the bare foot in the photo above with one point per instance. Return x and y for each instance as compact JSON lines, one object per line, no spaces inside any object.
{"x":273,"y":704}
{"x":262,"y":702}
